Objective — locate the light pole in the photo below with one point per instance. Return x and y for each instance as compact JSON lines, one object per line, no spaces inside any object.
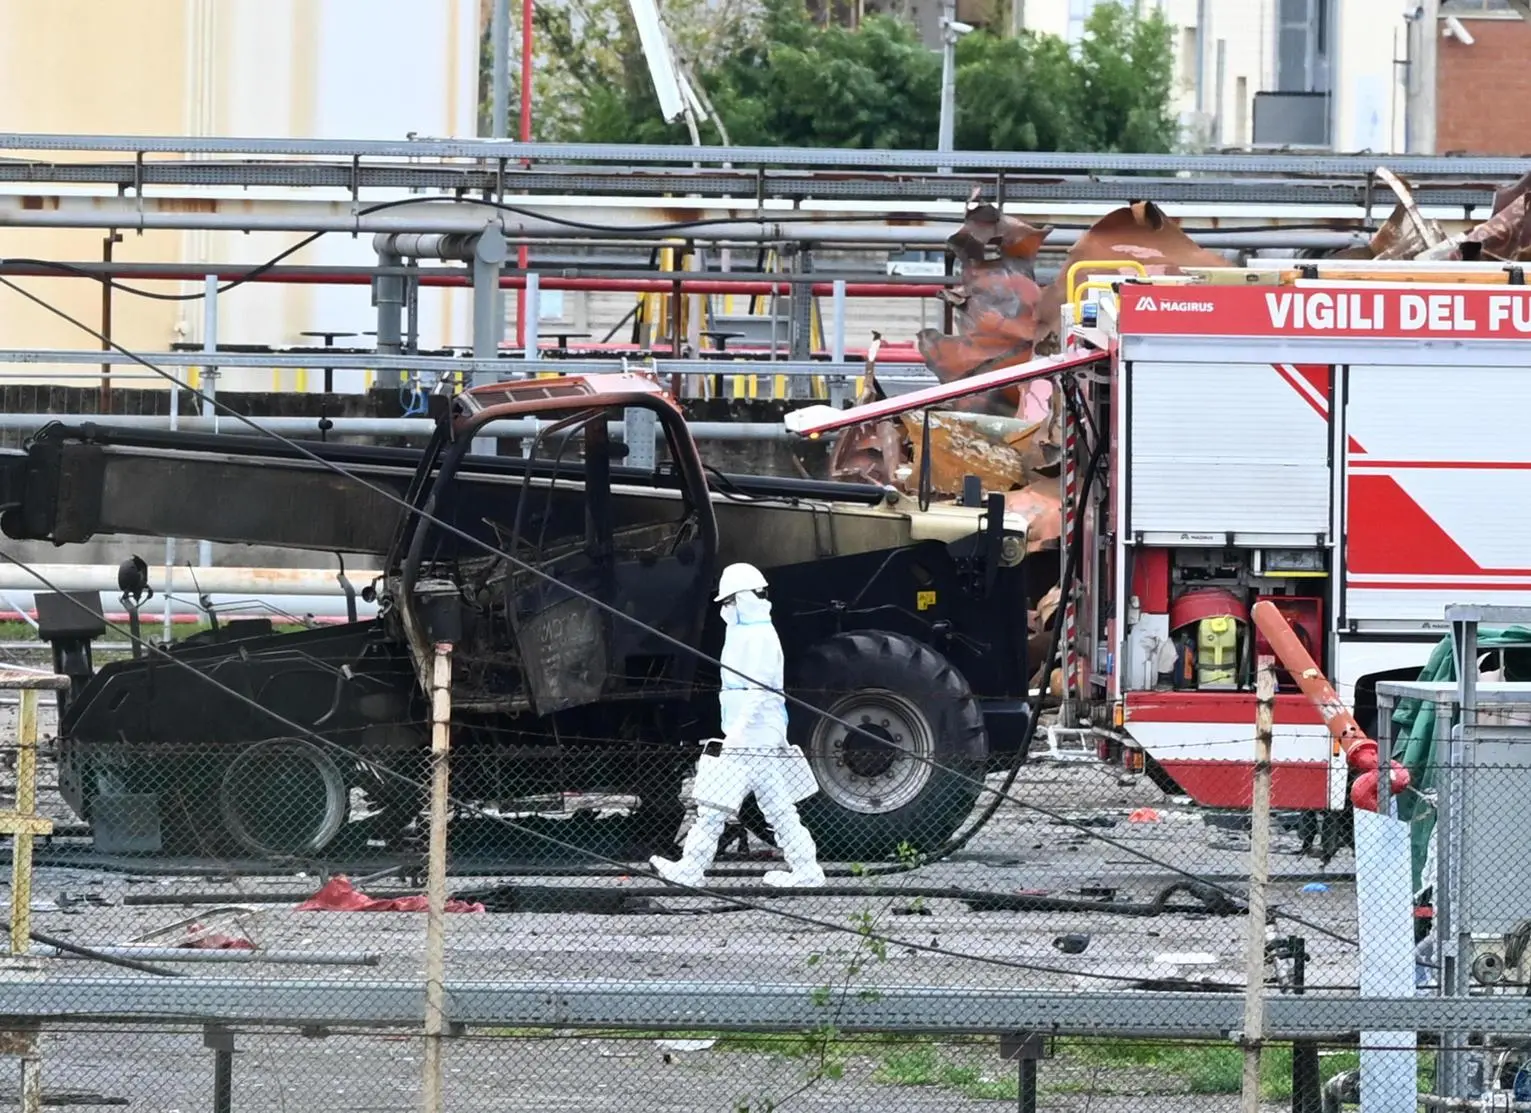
{"x":951,"y":31}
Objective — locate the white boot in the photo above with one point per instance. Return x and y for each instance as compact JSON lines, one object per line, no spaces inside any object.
{"x":697,"y":852}
{"x":797,"y":847}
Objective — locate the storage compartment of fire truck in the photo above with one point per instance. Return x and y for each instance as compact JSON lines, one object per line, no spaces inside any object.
{"x":1187,"y":620}
{"x":1228,"y":500}
{"x":1222,"y":494}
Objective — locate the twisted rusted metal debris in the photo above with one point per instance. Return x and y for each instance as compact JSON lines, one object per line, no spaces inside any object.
{"x":1406,"y":234}
{"x":1002,"y":317}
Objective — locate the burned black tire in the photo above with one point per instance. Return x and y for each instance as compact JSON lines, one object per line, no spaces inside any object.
{"x":914,"y":776}
{"x":283,"y":797}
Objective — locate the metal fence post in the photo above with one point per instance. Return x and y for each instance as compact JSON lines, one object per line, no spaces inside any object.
{"x":1259,"y":871}
{"x":436,"y":876}
{"x":23,"y":823}
{"x":221,"y":1042}
{"x":20,"y":1040}
{"x":1025,"y":1049}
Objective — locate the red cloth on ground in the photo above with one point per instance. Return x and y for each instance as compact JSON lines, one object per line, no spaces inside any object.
{"x":340,"y":896}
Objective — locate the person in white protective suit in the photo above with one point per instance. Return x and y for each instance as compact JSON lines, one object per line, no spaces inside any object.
{"x":753,"y":756}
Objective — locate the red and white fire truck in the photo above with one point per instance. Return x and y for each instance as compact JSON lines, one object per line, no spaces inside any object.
{"x":1348,"y":440}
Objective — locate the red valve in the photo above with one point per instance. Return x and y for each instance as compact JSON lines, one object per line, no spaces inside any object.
{"x":1363,"y":794}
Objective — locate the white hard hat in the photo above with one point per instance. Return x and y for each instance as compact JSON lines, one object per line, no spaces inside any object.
{"x":737,"y":578}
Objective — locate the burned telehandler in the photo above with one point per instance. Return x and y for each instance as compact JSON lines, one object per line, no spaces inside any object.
{"x":578,"y":578}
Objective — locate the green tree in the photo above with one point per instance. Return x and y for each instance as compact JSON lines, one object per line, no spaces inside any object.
{"x":875,"y":87}
{"x":1016,"y":94}
{"x":776,"y":79}
{"x":1125,"y":74}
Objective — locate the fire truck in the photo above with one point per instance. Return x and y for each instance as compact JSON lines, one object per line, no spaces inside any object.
{"x":1344,"y":439}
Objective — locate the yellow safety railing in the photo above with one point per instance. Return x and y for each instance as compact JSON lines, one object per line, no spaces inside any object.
{"x":1076,"y":290}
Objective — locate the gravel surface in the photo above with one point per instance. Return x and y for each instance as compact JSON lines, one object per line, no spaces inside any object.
{"x":702,"y":939}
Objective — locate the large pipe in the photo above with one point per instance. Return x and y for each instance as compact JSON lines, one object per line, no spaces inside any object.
{"x":217,"y":580}
{"x":208,"y":954}
{"x":468,"y":218}
{"x":361,"y":276}
{"x":233,"y":605}
{"x":1360,"y":750}
{"x":374,"y":426}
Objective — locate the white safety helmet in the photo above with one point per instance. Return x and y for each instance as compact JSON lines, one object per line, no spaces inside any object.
{"x":737,"y":578}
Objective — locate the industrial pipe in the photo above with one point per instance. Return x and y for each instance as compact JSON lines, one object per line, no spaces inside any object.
{"x":323,"y":609}
{"x":216,"y":580}
{"x":1360,"y":750}
{"x":209,"y":954}
{"x":363,"y":276}
{"x":468,"y":218}
{"x":380,"y":426}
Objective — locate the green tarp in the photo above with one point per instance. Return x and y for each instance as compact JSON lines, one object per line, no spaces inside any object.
{"x":1414,"y":730}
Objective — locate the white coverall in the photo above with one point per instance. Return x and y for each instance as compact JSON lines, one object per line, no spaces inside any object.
{"x":754,"y":757}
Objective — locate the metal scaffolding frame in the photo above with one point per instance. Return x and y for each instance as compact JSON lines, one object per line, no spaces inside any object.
{"x":506,"y":366}
{"x":636,"y":155}
{"x":1358,"y":191}
{"x":750,"y":174}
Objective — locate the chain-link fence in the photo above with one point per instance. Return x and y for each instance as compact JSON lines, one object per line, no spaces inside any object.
{"x":241,"y":919}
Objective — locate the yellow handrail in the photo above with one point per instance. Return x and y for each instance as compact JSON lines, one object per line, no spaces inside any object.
{"x":1077,"y":301}
{"x":1075,"y":268}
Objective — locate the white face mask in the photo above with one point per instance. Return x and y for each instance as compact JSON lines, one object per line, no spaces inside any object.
{"x":729,"y":610}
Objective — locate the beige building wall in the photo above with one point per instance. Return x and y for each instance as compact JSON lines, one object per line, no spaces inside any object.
{"x":340,"y":69}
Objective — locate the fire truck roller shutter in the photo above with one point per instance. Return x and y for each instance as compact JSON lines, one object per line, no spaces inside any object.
{"x":1219,"y":448}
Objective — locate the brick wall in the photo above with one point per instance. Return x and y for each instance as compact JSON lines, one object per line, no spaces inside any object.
{"x":1480,"y":87}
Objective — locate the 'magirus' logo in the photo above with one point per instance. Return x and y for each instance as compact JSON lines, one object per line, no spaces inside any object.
{"x":1149,"y":304}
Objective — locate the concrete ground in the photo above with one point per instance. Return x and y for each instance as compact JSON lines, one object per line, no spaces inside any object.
{"x":702,"y":939}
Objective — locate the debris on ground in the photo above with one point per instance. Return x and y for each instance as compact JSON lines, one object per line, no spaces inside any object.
{"x":1074,"y":943}
{"x":338,"y":895}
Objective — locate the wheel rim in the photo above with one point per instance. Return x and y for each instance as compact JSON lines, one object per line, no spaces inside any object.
{"x":283,"y":797}
{"x":877,"y":774}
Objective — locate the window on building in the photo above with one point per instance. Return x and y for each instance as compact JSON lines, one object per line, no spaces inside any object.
{"x":1302,"y":46}
{"x":1079,"y":13}
{"x":1473,"y":7}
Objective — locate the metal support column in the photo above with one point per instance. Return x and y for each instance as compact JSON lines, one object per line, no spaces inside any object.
{"x":1025,"y":1049}
{"x":801,"y":335}
{"x":488,"y":256}
{"x":388,"y":296}
{"x":220,"y":1041}
{"x":947,"y":124}
{"x":531,"y":332}
{"x":499,"y":39}
{"x":209,"y":382}
{"x":175,"y":420}
{"x":839,"y":382}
